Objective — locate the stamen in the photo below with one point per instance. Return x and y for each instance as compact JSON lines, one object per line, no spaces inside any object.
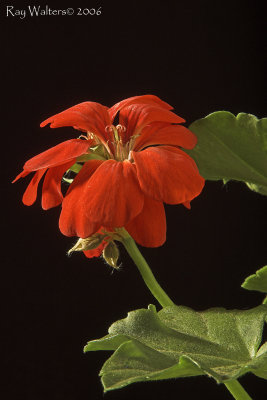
{"x":120,"y":150}
{"x":94,"y":137}
{"x":91,"y":135}
{"x":130,"y":155}
{"x":113,"y":129}
{"x":116,"y":135}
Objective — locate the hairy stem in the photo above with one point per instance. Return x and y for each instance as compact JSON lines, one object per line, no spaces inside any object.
{"x":144,"y":270}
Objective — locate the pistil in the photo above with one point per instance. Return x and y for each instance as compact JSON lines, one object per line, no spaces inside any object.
{"x":121,"y":151}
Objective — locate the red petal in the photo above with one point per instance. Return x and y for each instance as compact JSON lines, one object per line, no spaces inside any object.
{"x":111,"y":198}
{"x":144,"y":99}
{"x":168,"y":174}
{"x":21,"y":175}
{"x":30,"y":194}
{"x":57,"y":155}
{"x":87,"y":116}
{"x":73,"y":220}
{"x":149,"y":227}
{"x":187,"y":205}
{"x":135,"y":117}
{"x":176,"y":135}
{"x":51,"y":193}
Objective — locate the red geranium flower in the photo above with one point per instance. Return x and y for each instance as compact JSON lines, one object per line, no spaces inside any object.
{"x":137,"y":165}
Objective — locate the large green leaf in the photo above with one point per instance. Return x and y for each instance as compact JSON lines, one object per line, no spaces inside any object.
{"x":180,"y":342}
{"x":232,"y":147}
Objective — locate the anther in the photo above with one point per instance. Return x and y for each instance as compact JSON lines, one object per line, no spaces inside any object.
{"x":90,"y":135}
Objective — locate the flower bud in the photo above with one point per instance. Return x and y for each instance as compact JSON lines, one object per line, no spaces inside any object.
{"x":111,"y":254}
{"x":89,"y":243}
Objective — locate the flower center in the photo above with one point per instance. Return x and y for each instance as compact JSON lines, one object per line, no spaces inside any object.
{"x":115,"y":148}
{"x":121,"y":151}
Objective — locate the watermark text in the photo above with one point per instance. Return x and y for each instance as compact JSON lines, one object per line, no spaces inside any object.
{"x":38,"y":11}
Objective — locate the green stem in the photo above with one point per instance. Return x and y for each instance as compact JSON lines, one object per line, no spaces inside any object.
{"x":144,"y":270}
{"x":234,"y":387}
{"x":237,"y":390}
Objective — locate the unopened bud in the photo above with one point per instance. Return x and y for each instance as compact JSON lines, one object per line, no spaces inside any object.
{"x":89,"y":243}
{"x":111,"y":254}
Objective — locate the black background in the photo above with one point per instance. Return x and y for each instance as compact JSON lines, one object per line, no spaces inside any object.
{"x":199,"y":56}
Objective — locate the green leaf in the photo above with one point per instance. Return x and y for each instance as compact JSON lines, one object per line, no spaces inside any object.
{"x":180,"y":342}
{"x":232,"y":147}
{"x":257,"y":281}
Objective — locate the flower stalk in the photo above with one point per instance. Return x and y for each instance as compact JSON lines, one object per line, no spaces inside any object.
{"x":233,"y":386}
{"x":237,"y":390}
{"x":145,"y":270}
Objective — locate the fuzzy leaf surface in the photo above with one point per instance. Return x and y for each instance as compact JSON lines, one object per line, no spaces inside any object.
{"x":232,"y":148}
{"x":180,"y":342}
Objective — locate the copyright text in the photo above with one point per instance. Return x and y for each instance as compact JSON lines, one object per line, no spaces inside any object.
{"x":36,"y":11}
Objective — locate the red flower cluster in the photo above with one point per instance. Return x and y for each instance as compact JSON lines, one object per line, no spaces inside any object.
{"x":128,"y":170}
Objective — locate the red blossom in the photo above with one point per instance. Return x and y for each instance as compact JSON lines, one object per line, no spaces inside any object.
{"x":139,"y":165}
